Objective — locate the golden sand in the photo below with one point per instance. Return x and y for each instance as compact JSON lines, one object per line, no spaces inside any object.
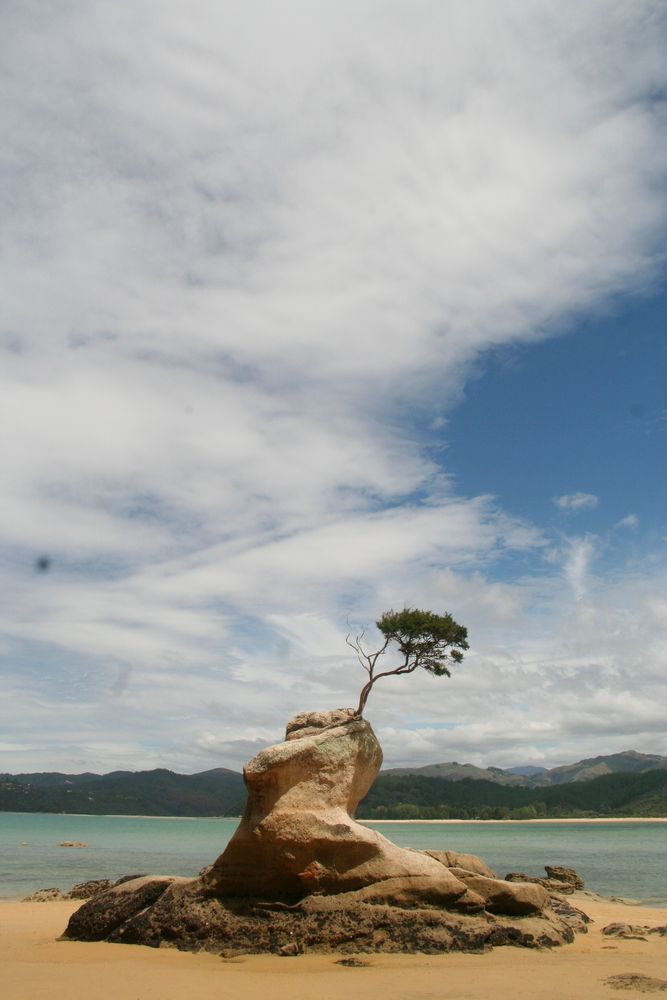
{"x":35,"y":965}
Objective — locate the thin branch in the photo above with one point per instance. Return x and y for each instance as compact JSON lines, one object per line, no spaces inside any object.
{"x":362,"y":656}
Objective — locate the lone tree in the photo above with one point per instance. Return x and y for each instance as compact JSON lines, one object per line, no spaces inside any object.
{"x":422,"y":638}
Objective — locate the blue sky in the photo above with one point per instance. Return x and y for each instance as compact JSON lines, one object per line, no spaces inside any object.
{"x":582,"y":412}
{"x":314,"y":311}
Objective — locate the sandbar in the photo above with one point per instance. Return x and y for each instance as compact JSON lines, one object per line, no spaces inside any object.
{"x":36,"y":965}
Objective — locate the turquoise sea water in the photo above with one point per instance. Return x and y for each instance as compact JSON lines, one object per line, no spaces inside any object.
{"x":623,"y":859}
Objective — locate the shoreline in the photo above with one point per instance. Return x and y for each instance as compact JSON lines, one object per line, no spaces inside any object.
{"x":484,"y":822}
{"x":522,"y":822}
{"x":36,"y":963}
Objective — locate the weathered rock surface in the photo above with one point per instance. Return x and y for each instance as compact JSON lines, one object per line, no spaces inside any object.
{"x":185,"y":916}
{"x":561,"y":880}
{"x":83,"y":890}
{"x":638,"y":982}
{"x":471,"y":863}
{"x":512,"y":898}
{"x":100,"y":917}
{"x":297,"y":836}
{"x":637,"y":932}
{"x":300,"y":873}
{"x":45,"y":896}
{"x":87,"y":890}
{"x":567,"y":875}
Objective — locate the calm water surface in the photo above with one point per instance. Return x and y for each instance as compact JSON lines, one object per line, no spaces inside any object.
{"x":624,"y":859}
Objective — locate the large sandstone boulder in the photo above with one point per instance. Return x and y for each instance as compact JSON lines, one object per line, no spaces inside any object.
{"x":301,"y":874}
{"x":297,"y":835}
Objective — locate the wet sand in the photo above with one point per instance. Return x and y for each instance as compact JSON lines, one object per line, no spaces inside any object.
{"x":36,"y":965}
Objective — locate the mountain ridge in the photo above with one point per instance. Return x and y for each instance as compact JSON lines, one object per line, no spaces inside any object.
{"x":626,"y":761}
{"x":221,"y":792}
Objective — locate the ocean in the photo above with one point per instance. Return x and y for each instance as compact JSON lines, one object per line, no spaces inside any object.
{"x":615,"y":859}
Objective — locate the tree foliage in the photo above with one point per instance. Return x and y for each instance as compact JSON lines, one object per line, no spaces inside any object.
{"x":421,"y":638}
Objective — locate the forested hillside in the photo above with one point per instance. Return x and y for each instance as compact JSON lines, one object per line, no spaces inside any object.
{"x":221,"y":792}
{"x":419,"y":797}
{"x":160,"y":792}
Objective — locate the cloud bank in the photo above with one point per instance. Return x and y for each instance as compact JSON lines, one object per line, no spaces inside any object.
{"x":249,"y":253}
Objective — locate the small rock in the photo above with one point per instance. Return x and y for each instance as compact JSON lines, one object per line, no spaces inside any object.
{"x":292,"y":948}
{"x":72,"y":843}
{"x":353,"y":963}
{"x":637,"y":981}
{"x":44,"y":896}
{"x":631,"y":932}
{"x":567,"y":875}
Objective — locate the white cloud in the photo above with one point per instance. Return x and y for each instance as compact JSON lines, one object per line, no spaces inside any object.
{"x":578,"y":555}
{"x":248,"y":251}
{"x":577,"y":501}
{"x":630,"y":521}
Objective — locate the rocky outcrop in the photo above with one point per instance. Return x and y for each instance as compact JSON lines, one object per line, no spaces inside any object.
{"x":300,"y":873}
{"x":83,"y":890}
{"x":637,"y":932}
{"x":45,"y":896}
{"x":559,"y":879}
{"x":566,"y":876}
{"x":515,"y":899}
{"x":297,"y":835}
{"x":185,"y":916}
{"x":470,"y":862}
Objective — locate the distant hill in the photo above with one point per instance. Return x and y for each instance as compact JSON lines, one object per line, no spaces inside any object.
{"x":219,"y":792}
{"x":531,"y":776}
{"x":453,"y":771}
{"x":525,"y":770}
{"x":628,"y":783}
{"x":415,"y":796}
{"x":629,"y":761}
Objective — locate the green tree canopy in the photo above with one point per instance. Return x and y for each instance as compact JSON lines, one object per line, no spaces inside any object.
{"x":422,"y":639}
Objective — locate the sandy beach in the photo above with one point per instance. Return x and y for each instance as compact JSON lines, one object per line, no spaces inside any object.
{"x":36,"y":965}
{"x":523,"y":822}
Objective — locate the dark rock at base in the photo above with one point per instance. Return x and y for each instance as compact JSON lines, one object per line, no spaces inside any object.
{"x":101,"y":916}
{"x":186,"y":916}
{"x":576,"y":918}
{"x":44,"y":896}
{"x":87,"y":890}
